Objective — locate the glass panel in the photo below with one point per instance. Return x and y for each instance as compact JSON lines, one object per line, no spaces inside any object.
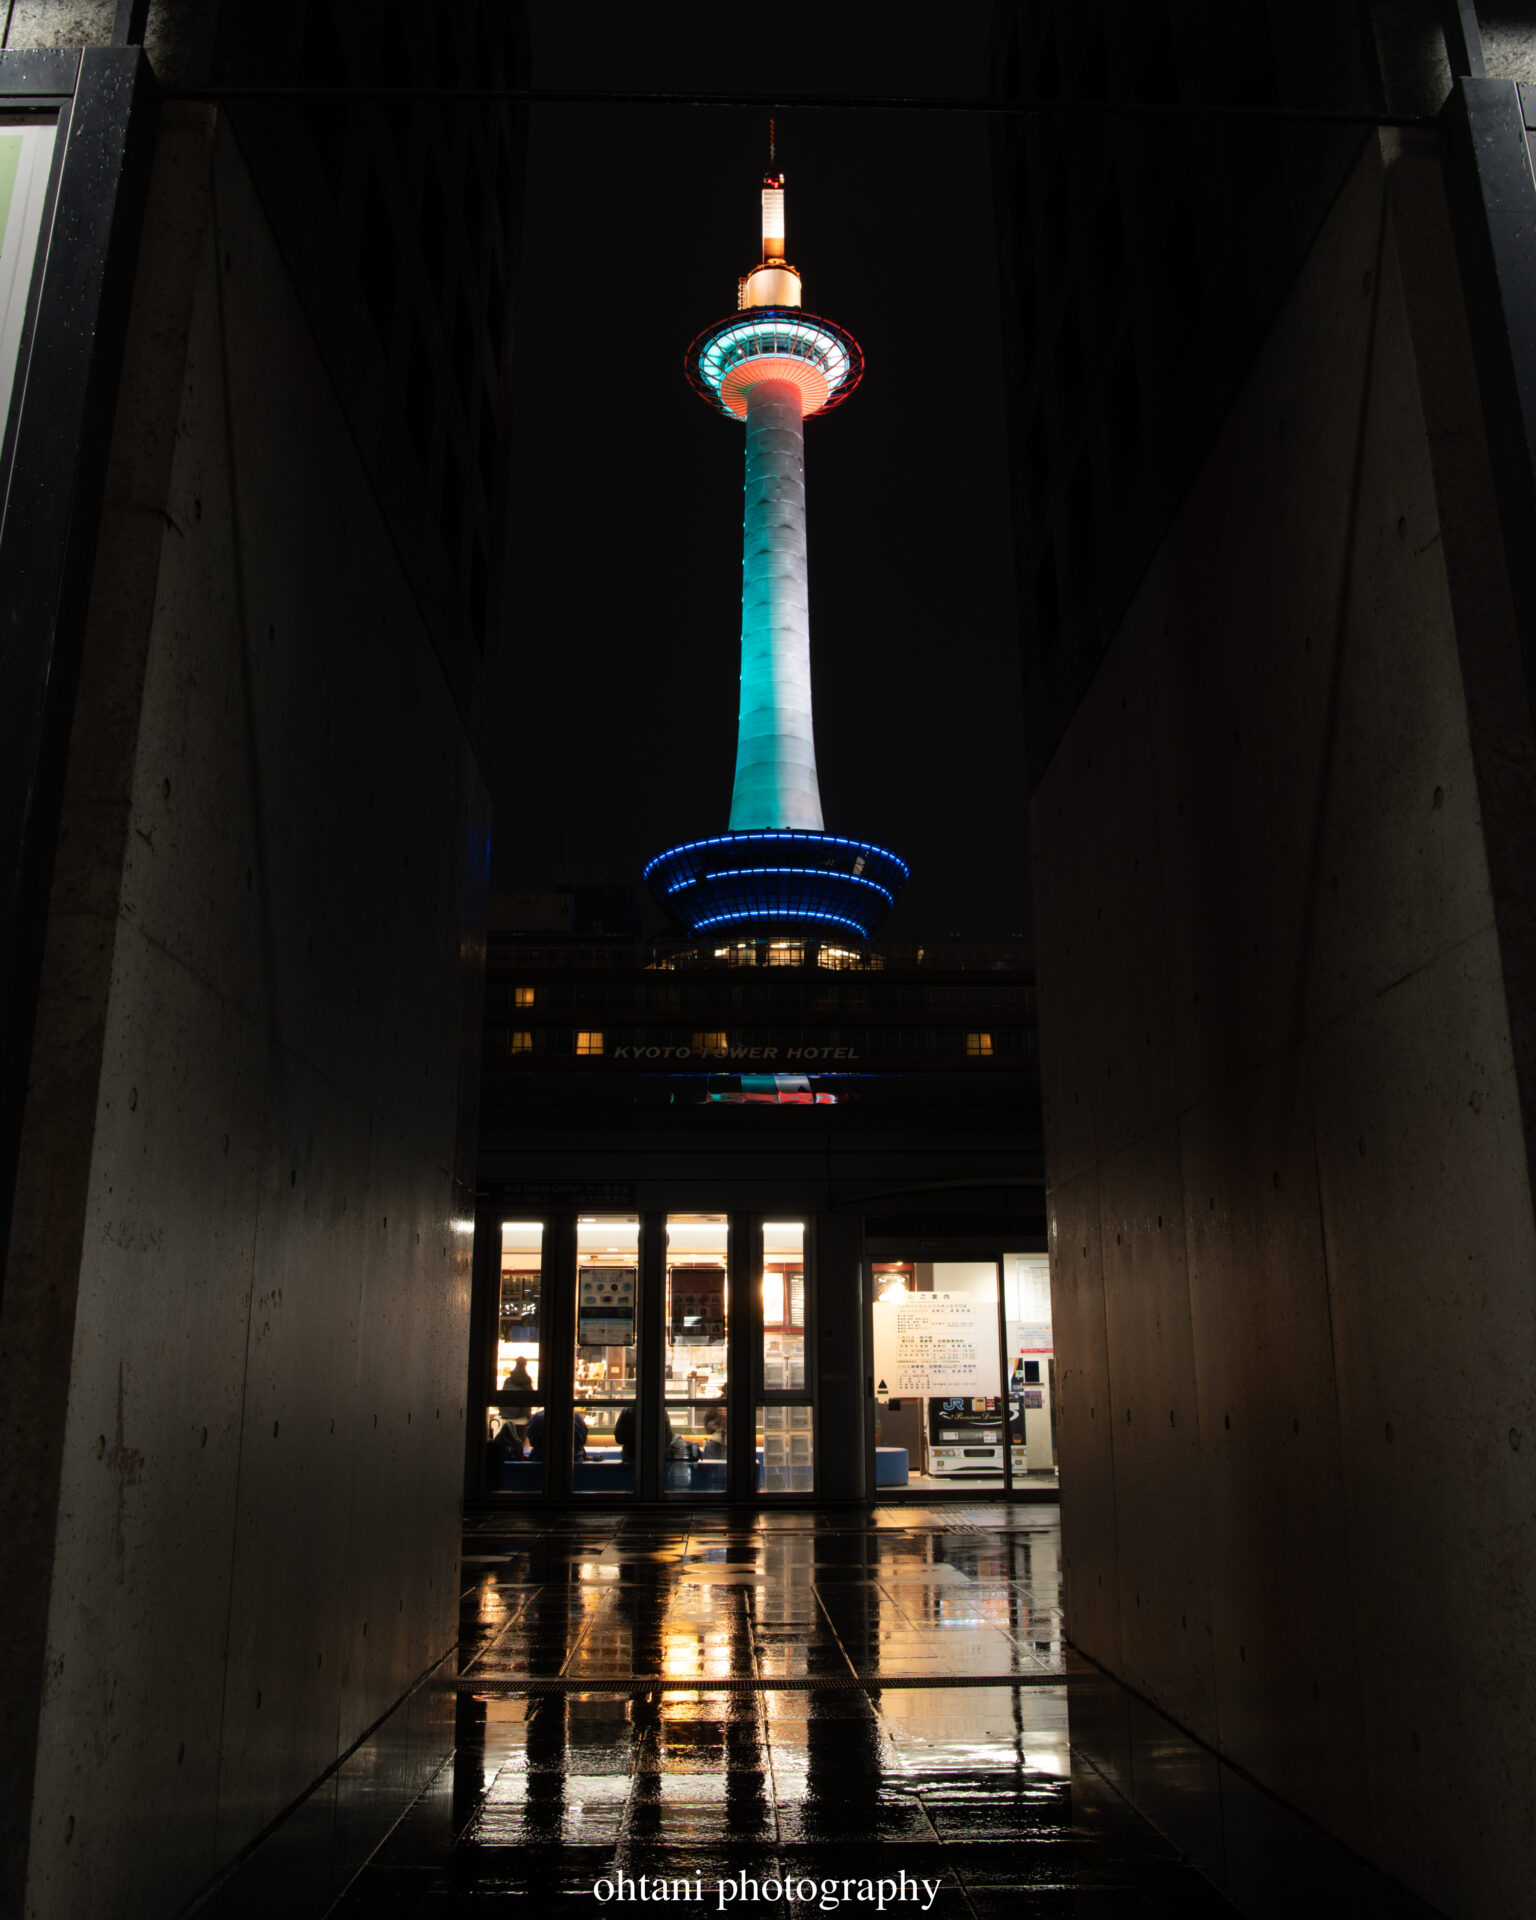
{"x":785,"y":1450}
{"x":517,"y":1325}
{"x":784,"y":1306}
{"x":607,"y":1352}
{"x":509,"y":1466}
{"x":694,"y":1446}
{"x":941,"y":1419}
{"x":1031,"y":1360}
{"x":694,"y":1340}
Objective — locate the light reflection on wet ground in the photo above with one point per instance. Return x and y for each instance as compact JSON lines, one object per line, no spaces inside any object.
{"x":798,"y":1722}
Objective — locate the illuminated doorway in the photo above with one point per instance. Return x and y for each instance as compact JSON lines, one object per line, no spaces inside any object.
{"x":963,"y":1374}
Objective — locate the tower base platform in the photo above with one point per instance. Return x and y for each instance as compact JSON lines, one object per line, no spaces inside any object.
{"x":774,"y":879}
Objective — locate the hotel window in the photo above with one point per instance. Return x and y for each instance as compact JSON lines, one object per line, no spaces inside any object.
{"x":587,"y":1041}
{"x":712,"y":1040}
{"x":522,"y":1041}
{"x":978,"y":1045}
{"x":522,"y":996}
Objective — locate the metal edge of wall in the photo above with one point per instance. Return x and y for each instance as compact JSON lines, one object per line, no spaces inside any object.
{"x":52,"y":514}
{"x":67,"y":379}
{"x":1492,"y":195}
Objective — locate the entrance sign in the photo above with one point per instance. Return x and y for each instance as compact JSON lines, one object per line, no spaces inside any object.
{"x":935,"y":1343}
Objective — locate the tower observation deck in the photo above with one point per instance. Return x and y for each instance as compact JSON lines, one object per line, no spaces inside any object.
{"x":772,"y":365}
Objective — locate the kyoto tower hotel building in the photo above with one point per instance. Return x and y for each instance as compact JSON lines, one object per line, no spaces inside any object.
{"x":772,"y":365}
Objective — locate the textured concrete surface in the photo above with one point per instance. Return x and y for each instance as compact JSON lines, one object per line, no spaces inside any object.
{"x":178,"y":34}
{"x":241,"y":1225}
{"x":1282,"y":978}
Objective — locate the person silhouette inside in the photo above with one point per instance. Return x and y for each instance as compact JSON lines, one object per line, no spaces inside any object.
{"x":624,"y":1433}
{"x":535,"y":1436}
{"x":519,"y":1380}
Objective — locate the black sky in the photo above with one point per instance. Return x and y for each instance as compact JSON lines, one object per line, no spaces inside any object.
{"x":618,"y":693}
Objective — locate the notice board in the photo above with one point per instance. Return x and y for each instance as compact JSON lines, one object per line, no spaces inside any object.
{"x":935,"y":1343}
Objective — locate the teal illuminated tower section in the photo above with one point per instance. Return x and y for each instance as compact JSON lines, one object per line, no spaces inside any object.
{"x":772,"y":366}
{"x":775,"y":743}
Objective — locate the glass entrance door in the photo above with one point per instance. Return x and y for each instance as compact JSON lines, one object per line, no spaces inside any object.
{"x":695,"y":1337}
{"x":786,"y":1439}
{"x":516,"y":1350}
{"x":608,"y":1396}
{"x":943,"y":1418}
{"x":646,"y":1356}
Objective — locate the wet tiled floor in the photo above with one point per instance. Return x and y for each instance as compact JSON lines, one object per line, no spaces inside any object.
{"x":713,"y":1714}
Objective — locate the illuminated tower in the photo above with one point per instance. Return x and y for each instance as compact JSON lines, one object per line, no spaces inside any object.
{"x":772,"y":365}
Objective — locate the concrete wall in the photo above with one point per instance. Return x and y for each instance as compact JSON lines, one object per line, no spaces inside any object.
{"x":1281,"y":854}
{"x":237,"y":1290}
{"x":178,"y":34}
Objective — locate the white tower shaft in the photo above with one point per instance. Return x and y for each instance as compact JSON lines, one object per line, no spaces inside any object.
{"x":775,"y":750}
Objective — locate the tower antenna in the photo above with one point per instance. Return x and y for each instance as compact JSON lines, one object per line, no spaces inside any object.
{"x":772,"y":143}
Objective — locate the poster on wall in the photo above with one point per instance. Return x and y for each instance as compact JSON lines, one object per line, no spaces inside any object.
{"x":698,"y":1306}
{"x":605,"y":1308}
{"x":935,"y":1343}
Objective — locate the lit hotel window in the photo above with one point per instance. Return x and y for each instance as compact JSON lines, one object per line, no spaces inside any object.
{"x":978,"y":1044}
{"x":587,"y":1041}
{"x":710,"y":1042}
{"x":522,"y":996}
{"x":522,"y":1042}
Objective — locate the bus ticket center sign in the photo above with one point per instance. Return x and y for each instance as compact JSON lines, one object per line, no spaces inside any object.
{"x":935,"y":1343}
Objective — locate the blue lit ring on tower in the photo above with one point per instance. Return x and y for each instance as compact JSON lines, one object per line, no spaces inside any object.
{"x":777,"y":880}
{"x":774,"y":343}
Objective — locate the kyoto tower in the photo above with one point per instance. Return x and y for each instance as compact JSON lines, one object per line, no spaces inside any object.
{"x":772,"y":365}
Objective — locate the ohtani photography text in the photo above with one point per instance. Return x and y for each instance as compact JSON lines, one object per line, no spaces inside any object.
{"x":746,"y":1890}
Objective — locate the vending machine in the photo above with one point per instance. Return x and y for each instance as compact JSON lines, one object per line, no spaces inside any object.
{"x":1033,"y":1413}
{"x":965,"y":1436}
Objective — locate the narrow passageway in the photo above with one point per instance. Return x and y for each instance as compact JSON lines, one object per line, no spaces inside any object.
{"x":713,"y":1712}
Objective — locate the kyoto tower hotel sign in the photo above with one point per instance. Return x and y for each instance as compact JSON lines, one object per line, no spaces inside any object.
{"x":772,"y":365}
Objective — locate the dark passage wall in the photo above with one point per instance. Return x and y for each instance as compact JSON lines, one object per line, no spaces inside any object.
{"x":1280,"y":853}
{"x":237,"y":1288}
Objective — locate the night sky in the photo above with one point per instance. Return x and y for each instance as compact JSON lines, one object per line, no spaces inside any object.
{"x":618,"y":685}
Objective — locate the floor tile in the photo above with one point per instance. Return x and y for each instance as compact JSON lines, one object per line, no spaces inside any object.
{"x":818,"y":1765}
